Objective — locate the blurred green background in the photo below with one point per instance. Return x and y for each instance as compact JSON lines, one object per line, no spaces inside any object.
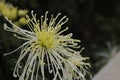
{"x":95,"y":22}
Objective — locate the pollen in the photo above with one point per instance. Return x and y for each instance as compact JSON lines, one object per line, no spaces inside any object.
{"x":47,"y":39}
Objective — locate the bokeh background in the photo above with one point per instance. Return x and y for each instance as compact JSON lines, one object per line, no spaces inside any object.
{"x":95,"y":22}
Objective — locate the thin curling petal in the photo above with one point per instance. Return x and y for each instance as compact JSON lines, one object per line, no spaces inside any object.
{"x":46,"y":45}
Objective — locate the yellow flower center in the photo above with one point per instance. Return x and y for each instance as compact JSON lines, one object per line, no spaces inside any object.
{"x":46,"y":38}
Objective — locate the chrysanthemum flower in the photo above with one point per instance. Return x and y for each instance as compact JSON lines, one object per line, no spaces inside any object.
{"x":7,"y":9}
{"x":47,"y":46}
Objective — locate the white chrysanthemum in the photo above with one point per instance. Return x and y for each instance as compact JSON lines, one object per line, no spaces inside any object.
{"x":45,"y":45}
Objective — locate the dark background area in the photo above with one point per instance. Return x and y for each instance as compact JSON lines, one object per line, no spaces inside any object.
{"x":94,"y":22}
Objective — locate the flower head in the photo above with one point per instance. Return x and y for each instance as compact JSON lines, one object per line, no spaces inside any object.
{"x":7,"y":9}
{"x":46,"y":45}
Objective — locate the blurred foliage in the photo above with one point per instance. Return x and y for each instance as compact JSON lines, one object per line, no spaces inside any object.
{"x":94,"y":22}
{"x":102,"y":57}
